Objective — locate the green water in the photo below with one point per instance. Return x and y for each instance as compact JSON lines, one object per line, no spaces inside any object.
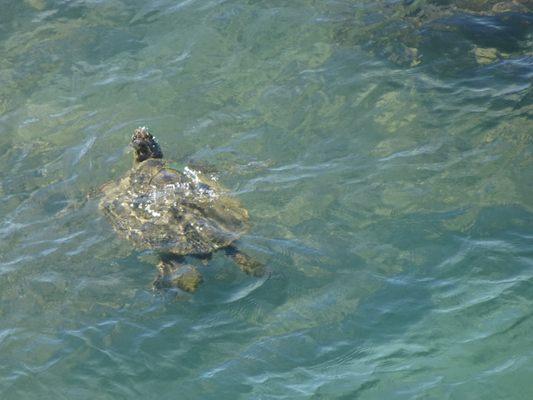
{"x":390,"y":193}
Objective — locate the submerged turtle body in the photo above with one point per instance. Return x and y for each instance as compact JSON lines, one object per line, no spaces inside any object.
{"x":177,"y":213}
{"x":158,"y":207}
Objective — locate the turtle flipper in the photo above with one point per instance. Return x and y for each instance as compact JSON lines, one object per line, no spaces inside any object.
{"x":246,"y":263}
{"x":173,"y":274}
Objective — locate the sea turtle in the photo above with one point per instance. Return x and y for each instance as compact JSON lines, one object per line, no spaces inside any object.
{"x":177,"y":213}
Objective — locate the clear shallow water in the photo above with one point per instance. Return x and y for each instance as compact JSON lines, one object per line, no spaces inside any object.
{"x":390,"y":196}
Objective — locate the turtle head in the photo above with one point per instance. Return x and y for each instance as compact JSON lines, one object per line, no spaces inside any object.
{"x":145,"y":145}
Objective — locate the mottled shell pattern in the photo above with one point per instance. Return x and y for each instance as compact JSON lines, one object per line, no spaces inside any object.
{"x":159,"y":207}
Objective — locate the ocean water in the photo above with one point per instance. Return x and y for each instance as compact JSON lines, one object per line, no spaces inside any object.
{"x":382,"y":148}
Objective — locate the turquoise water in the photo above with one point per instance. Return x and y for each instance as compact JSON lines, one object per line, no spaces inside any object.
{"x":386,"y":162}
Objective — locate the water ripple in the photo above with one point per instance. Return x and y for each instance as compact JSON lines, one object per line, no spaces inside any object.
{"x":383,"y":153}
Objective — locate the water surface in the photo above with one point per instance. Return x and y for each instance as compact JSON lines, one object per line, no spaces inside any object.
{"x":386,"y":166}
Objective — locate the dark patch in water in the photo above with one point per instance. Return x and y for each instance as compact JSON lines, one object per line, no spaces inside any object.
{"x":506,"y":32}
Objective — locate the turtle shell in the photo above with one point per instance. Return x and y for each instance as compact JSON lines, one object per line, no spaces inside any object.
{"x":158,"y":207}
